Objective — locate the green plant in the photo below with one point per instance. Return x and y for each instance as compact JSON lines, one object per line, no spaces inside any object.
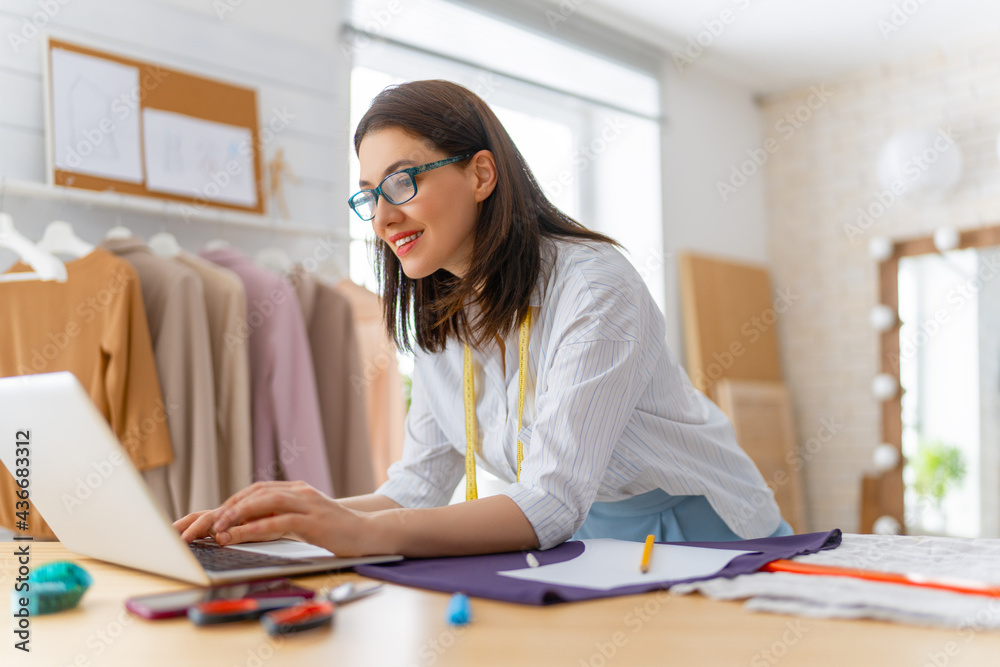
{"x":939,"y":468}
{"x":407,"y":390}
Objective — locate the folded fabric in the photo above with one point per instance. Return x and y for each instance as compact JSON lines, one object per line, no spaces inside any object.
{"x":478,"y":575}
{"x":841,"y":597}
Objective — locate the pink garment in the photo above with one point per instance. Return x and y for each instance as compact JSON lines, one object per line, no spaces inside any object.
{"x":287,"y":430}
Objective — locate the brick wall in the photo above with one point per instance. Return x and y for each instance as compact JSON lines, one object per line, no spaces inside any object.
{"x":822,"y":171}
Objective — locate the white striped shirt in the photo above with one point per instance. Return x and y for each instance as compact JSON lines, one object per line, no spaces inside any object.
{"x":609,"y":413}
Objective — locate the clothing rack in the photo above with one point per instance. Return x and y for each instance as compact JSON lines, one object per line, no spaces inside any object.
{"x":121,"y":201}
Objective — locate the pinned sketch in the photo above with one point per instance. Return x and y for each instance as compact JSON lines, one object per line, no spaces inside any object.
{"x":209,"y":161}
{"x":95,"y":116}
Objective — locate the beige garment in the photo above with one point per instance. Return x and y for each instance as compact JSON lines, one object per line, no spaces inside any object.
{"x":332,"y":339}
{"x":93,"y":325}
{"x":379,"y":380}
{"x":226,"y":300}
{"x":178,"y":325}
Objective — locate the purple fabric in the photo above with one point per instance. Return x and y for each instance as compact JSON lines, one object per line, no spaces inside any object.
{"x":478,"y":575}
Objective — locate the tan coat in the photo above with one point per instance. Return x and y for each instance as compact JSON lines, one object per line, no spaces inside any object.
{"x":379,"y":381}
{"x":178,"y":325}
{"x":94,"y":325}
{"x":226,"y":300}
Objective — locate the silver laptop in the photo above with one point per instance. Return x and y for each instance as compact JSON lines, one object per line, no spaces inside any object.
{"x":84,"y":484}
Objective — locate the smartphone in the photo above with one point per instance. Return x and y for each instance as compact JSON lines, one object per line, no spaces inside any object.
{"x":176,"y":603}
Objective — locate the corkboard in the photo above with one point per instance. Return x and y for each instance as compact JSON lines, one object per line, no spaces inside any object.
{"x":170,"y":90}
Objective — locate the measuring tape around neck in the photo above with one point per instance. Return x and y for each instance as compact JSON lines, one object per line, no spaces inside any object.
{"x":469,"y":391}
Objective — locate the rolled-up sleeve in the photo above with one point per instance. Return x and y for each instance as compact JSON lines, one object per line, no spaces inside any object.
{"x":431,"y":467}
{"x":594,"y":388}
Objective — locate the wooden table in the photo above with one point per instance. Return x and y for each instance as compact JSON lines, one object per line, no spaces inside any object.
{"x":405,"y":626}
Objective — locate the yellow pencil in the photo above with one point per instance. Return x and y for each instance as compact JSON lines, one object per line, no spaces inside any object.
{"x":647,"y":555}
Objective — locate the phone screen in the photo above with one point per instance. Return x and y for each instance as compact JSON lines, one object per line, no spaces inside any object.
{"x":168,"y":605}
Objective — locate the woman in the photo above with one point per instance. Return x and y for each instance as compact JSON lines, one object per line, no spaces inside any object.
{"x":537,"y":342}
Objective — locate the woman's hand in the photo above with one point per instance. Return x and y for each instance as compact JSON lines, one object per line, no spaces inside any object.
{"x":270,"y":510}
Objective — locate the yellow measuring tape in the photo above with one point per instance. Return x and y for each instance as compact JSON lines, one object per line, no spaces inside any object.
{"x":471,"y":493}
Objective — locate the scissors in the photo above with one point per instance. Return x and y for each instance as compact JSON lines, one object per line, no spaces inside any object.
{"x":314,"y":613}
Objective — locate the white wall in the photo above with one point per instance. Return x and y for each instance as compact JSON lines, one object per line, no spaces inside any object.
{"x":818,"y":185}
{"x":289,"y":53}
{"x":710,"y":123}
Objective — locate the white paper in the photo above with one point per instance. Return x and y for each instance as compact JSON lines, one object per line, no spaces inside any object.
{"x":95,"y":117}
{"x":606,"y":564}
{"x":284,"y":549}
{"x":199,"y":158}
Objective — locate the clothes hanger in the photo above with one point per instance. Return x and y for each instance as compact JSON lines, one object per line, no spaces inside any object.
{"x":46,"y":267}
{"x":60,"y":239}
{"x":218,"y":243}
{"x":276,"y":259}
{"x":119,"y":231}
{"x":163,"y":243}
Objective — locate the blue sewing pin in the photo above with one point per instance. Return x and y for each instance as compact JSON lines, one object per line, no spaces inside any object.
{"x":459,"y":610}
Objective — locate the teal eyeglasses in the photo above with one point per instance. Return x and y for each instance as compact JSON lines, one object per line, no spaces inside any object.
{"x":398,"y":187}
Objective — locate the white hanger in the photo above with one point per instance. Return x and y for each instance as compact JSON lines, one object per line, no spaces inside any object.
{"x":165,"y":244}
{"x":59,"y":239}
{"x":46,"y":266}
{"x":119,"y":232}
{"x":216,"y":244}
{"x":275,"y":259}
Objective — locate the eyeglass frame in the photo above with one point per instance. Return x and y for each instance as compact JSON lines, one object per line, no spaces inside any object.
{"x":409,"y":171}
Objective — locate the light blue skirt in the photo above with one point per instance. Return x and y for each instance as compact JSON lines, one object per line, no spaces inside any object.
{"x":669,"y":518}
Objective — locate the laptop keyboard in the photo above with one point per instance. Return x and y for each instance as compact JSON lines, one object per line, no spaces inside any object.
{"x":216,"y":558}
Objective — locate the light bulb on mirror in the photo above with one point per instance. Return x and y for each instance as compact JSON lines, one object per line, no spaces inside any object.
{"x":886,"y":525}
{"x":885,"y":457}
{"x":884,"y":386}
{"x":946,"y":238}
{"x":880,"y":248}
{"x":883,"y":317}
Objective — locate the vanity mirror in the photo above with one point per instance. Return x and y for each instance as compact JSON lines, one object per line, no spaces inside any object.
{"x":940,"y":387}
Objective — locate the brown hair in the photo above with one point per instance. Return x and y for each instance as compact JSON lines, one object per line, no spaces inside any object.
{"x":514,"y":220}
